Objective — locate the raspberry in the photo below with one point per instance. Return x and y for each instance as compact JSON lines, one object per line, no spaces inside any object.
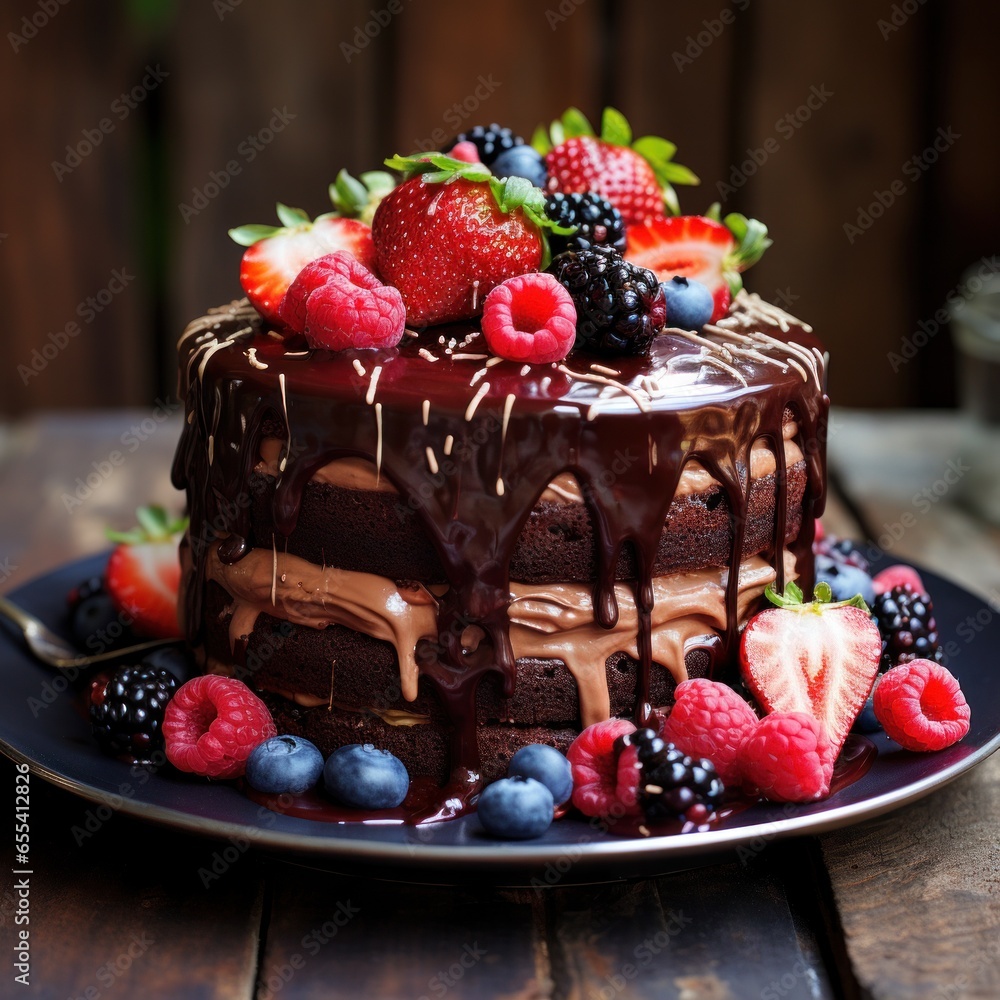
{"x":465,"y":151}
{"x":212,"y":725}
{"x":921,"y":706}
{"x":595,"y":761}
{"x":788,"y":758}
{"x":898,"y":576}
{"x":337,"y":303}
{"x":530,"y":318}
{"x":710,"y":720}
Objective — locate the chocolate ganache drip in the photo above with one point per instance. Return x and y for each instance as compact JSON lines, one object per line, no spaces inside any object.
{"x":471,"y":444}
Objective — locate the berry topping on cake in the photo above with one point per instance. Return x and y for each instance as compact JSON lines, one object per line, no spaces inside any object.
{"x":710,"y":720}
{"x":337,"y":303}
{"x":672,"y":783}
{"x":489,"y":141}
{"x":819,"y":657}
{"x":593,"y":756}
{"x":906,"y":621}
{"x":530,"y":318}
{"x":516,"y":808}
{"x":521,"y":161}
{"x":788,"y":758}
{"x":547,"y":765}
{"x":144,"y":573}
{"x":700,"y":247}
{"x":358,"y":197}
{"x":898,"y":576}
{"x":284,"y":765}
{"x":844,"y":579}
{"x":466,"y":152}
{"x":363,"y":777}
{"x":620,"y":307}
{"x":126,"y":713}
{"x":595,"y":220}
{"x":212,"y":725}
{"x":690,"y":304}
{"x":921,"y":706}
{"x":842,"y":550}
{"x":275,"y":254}
{"x":636,"y":177}
{"x":449,"y":235}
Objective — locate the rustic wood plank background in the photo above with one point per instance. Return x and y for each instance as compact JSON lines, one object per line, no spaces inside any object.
{"x":804,"y":112}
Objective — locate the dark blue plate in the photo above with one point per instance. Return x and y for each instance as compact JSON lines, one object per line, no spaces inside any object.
{"x":42,"y":726}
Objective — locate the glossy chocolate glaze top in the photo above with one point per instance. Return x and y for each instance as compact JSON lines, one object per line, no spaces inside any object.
{"x":470,"y":443}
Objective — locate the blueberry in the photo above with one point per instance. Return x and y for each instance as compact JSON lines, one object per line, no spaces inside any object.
{"x":866,"y":722}
{"x":516,"y":808}
{"x":689,"y":303}
{"x":520,"y":161}
{"x":284,"y":764}
{"x":174,"y":659}
{"x":547,"y":765}
{"x":94,"y":614}
{"x":844,"y":579}
{"x":361,"y":776}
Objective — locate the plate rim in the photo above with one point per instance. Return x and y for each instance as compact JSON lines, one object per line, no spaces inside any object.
{"x":496,"y":856}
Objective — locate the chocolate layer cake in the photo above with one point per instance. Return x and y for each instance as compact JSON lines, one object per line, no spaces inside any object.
{"x":450,"y":555}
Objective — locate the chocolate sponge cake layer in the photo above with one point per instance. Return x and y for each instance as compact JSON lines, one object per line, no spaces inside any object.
{"x":374,"y":532}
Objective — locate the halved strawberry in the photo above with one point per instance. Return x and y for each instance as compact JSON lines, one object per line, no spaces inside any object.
{"x":276,"y":254}
{"x":820,"y":658}
{"x":699,"y":247}
{"x":636,"y":177}
{"x":144,"y":573}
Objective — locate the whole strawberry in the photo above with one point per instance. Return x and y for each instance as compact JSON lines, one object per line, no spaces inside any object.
{"x":636,"y":177}
{"x":452,"y":232}
{"x":816,"y":657}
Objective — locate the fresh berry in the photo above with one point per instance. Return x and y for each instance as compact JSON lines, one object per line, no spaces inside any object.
{"x":689,"y":303}
{"x":788,"y":758}
{"x":516,"y":808}
{"x":171,"y":658}
{"x":710,"y":720}
{"x":489,"y":141}
{"x":898,"y":576}
{"x":844,"y":579}
{"x":448,"y":236}
{"x":620,"y":307}
{"x":593,"y":756}
{"x":906,"y":621}
{"x":360,"y":776}
{"x":921,"y":706}
{"x":284,"y":764}
{"x":671,"y":782}
{"x":275,"y":255}
{"x":126,"y":714}
{"x":90,"y":587}
{"x":466,"y":152}
{"x":698,"y":247}
{"x":521,"y":161}
{"x":547,"y":765}
{"x":820,"y":658}
{"x":842,"y":550}
{"x":867,"y":722}
{"x":596,"y":222}
{"x":144,"y":573}
{"x":212,"y":725}
{"x":636,"y":177}
{"x":819,"y":532}
{"x":529,"y":318}
{"x":97,"y":623}
{"x":338,"y":303}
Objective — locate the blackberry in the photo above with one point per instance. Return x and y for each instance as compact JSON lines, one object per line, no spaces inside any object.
{"x":909,"y":631}
{"x":620,"y":307}
{"x":490,"y":140}
{"x":672,"y":784}
{"x":842,"y":550}
{"x":599,"y":222}
{"x":126,"y":714}
{"x":90,"y":587}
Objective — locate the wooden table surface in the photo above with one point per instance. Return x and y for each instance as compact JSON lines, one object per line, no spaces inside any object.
{"x":907,"y":905}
